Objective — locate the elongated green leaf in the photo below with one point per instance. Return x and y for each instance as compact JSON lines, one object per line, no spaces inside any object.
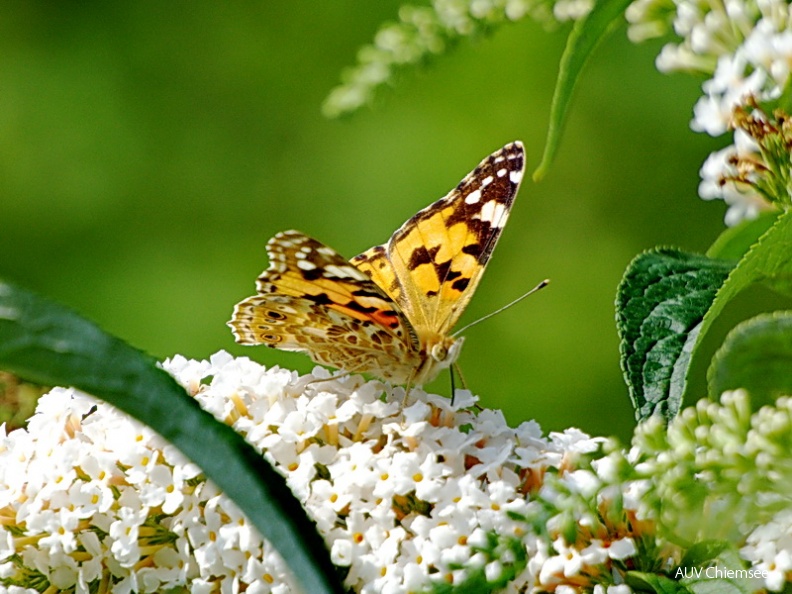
{"x":735,"y":241}
{"x":582,"y":41}
{"x":767,"y":262}
{"x":50,"y":344}
{"x":757,"y":356}
{"x":661,"y":303}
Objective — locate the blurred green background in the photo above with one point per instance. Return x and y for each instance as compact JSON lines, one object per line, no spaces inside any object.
{"x":149,"y":150}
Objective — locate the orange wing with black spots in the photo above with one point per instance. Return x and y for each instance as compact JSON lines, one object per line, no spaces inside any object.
{"x":433,"y":263}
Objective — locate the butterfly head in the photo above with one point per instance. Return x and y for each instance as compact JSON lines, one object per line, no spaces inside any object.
{"x":440,"y":353}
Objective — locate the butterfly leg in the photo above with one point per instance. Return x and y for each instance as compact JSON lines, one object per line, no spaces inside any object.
{"x":408,"y":387}
{"x":317,"y":380}
{"x":456,"y":368}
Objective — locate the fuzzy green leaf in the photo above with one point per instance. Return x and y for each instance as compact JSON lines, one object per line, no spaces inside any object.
{"x":582,"y":41}
{"x":661,"y":303}
{"x":757,"y":356}
{"x":52,"y":345}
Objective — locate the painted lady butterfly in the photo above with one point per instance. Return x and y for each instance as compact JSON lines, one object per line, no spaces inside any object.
{"x":389,"y":311}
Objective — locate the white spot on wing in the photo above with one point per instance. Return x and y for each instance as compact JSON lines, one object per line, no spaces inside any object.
{"x":501,"y":172}
{"x":344,"y":272}
{"x":473,"y":197}
{"x":487,"y":181}
{"x":305,"y":265}
{"x":492,"y":212}
{"x":516,"y":176}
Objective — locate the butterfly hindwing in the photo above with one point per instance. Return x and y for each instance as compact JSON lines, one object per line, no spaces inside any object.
{"x":327,"y":336}
{"x":312,"y":300}
{"x":433,"y":263}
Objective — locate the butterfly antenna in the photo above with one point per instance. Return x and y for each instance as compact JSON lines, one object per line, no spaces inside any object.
{"x":541,"y":285}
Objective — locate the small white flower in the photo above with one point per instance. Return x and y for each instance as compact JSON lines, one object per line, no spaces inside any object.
{"x":58,"y":526}
{"x":622,"y":549}
{"x":717,"y":180}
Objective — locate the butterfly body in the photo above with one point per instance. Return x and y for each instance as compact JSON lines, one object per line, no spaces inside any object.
{"x":389,"y":311}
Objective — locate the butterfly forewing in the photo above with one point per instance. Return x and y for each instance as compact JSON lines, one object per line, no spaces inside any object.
{"x":433,"y":263}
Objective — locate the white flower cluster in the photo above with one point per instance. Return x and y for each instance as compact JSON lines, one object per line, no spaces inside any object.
{"x":720,"y":472}
{"x":719,"y":180}
{"x":404,"y":496}
{"x":769,"y":550}
{"x":745,"y":46}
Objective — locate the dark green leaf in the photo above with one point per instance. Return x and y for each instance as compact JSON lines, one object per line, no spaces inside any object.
{"x":757,"y":356}
{"x":661,"y":303}
{"x":582,"y":41}
{"x":658,"y":584}
{"x":52,"y":345}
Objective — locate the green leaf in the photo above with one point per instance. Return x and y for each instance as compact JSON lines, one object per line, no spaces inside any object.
{"x":650,"y":582}
{"x":768,"y":261}
{"x":668,"y":300}
{"x":582,"y":41}
{"x":715,"y":567}
{"x":702,"y":553}
{"x":706,"y":585}
{"x":711,"y":567}
{"x":52,"y":345}
{"x":756,"y":356}
{"x":661,"y":303}
{"x":735,"y":241}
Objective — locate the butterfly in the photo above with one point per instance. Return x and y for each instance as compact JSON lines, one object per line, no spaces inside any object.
{"x":389,"y":311}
